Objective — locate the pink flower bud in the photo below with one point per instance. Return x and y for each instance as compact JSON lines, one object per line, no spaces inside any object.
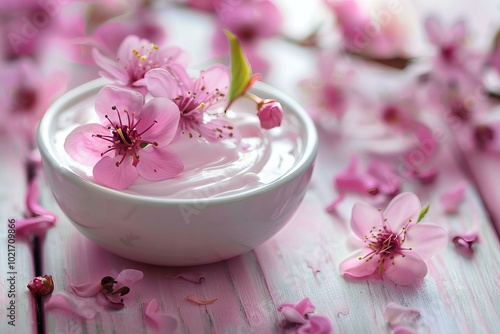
{"x":270,"y":114}
{"x":41,"y":285}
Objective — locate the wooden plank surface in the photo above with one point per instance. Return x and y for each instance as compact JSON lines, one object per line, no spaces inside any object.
{"x":459,"y":294}
{"x":16,"y":268}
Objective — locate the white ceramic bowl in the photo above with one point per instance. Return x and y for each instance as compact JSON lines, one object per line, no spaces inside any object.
{"x":155,"y":230}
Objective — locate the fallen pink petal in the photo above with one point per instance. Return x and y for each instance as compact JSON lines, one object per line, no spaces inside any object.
{"x":465,"y":243}
{"x":195,"y":277}
{"x":196,"y":300}
{"x":453,"y":198}
{"x":163,"y":321}
{"x":399,"y":317}
{"x":65,"y":302}
{"x":109,"y":291}
{"x":299,"y":319}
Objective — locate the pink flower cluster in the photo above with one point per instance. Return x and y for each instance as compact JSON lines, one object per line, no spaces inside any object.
{"x":153,"y":102}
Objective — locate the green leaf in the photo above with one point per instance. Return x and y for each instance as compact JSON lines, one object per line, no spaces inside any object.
{"x":423,"y":212}
{"x":241,"y":72}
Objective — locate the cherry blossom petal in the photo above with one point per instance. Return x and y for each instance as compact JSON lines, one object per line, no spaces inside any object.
{"x":364,"y":218}
{"x":458,"y":33}
{"x":160,"y":320}
{"x":174,"y":55}
{"x":195,"y":277}
{"x":122,"y":99}
{"x":388,"y":181}
{"x":217,"y":129}
{"x":166,"y":114}
{"x":434,"y":30}
{"x":128,"y":44}
{"x":354,"y":267}
{"x":161,"y":83}
{"x":63,"y":301}
{"x":317,"y":324}
{"x":401,"y":210}
{"x":196,"y":300}
{"x":426,"y":239}
{"x":397,"y":315}
{"x":87,"y":289}
{"x":111,"y":301}
{"x":465,"y":243}
{"x":214,"y":77}
{"x":111,"y":70}
{"x":297,"y":312}
{"x":82,"y":147}
{"x":127,"y":277}
{"x":117,"y":177}
{"x":335,"y":203}
{"x":406,"y":269}
{"x":32,"y":196}
{"x":34,"y":225}
{"x":159,"y":164}
{"x":351,"y":180}
{"x":451,"y":199}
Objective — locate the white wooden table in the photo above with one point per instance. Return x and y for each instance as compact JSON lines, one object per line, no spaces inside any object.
{"x":459,"y":294}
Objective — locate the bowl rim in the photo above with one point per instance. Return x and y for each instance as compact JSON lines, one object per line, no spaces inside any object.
{"x":303,"y":163}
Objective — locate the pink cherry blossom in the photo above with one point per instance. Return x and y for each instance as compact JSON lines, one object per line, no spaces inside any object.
{"x":299,"y":319}
{"x":270,"y":114}
{"x":25,"y":94}
{"x":454,"y":63}
{"x":109,"y":291}
{"x":395,"y":245}
{"x":135,"y":57}
{"x":196,"y":100}
{"x":78,"y":43}
{"x":131,"y":140}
